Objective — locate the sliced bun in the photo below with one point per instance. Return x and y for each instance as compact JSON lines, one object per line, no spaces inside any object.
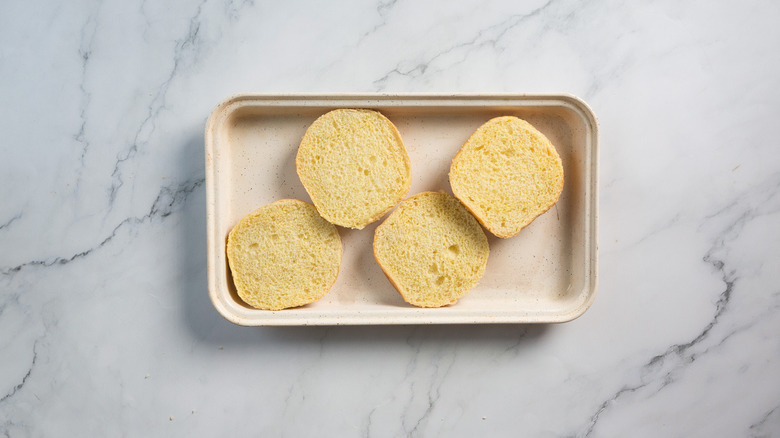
{"x":432,"y":249}
{"x":354,"y":166}
{"x":283,"y":255}
{"x":507,"y":173}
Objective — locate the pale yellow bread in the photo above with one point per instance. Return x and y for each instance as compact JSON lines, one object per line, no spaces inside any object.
{"x":431,"y":249}
{"x":283,"y":255}
{"x":354,"y":166}
{"x":507,"y":174}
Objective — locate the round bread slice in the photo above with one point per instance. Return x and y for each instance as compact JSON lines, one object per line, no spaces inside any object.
{"x":507,"y":173}
{"x":432,"y":249}
{"x":354,"y":166}
{"x":283,"y":255}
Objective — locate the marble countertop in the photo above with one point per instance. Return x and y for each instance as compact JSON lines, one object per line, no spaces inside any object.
{"x":106,"y":328}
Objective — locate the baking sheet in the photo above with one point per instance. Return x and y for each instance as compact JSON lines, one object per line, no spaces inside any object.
{"x":545,"y":274}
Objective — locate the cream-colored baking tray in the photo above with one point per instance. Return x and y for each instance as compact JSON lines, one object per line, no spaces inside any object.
{"x":545,"y":274}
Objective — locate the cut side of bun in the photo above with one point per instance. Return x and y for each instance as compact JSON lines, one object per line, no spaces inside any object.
{"x":283,"y":255}
{"x":354,"y":166}
{"x":507,"y":174}
{"x":431,"y":249}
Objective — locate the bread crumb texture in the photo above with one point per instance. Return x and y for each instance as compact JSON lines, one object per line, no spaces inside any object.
{"x":283,"y":255}
{"x":432,"y":249}
{"x":507,"y":173}
{"x":354,"y":166}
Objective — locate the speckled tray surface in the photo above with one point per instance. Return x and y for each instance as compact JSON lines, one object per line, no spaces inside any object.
{"x":545,"y":274}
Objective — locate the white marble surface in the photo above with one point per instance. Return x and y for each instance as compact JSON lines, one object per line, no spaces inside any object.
{"x":106,"y":328}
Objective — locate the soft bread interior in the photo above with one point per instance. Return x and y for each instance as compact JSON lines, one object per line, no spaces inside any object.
{"x":354,"y":166}
{"x":283,"y":255}
{"x":507,"y":173}
{"x":432,"y":249}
